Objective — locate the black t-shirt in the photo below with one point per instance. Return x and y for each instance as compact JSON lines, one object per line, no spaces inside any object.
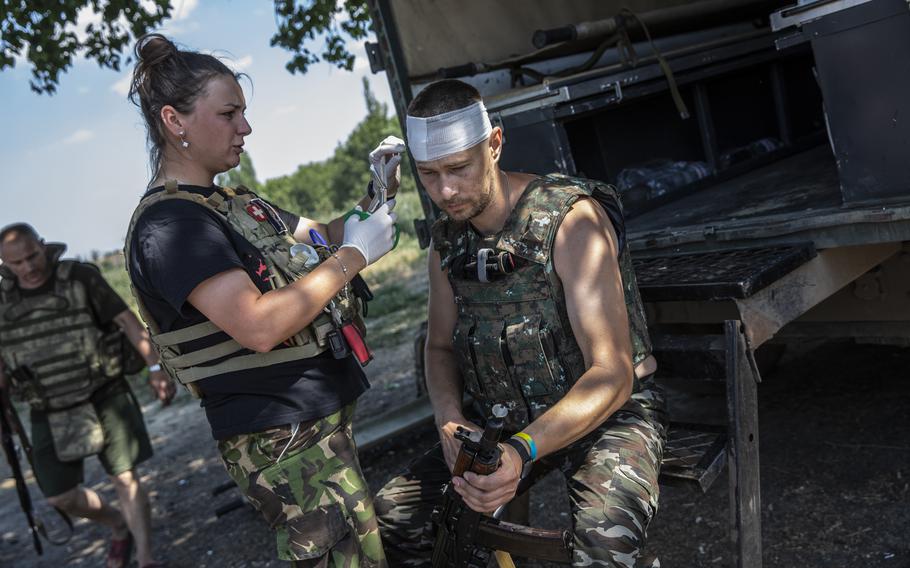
{"x":178,"y":244}
{"x":104,"y":302}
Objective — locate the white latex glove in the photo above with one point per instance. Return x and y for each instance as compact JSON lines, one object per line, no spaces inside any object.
{"x":374,"y":235}
{"x":384,"y":164}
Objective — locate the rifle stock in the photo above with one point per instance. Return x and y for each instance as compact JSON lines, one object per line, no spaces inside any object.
{"x":10,"y":424}
{"x":9,"y":450}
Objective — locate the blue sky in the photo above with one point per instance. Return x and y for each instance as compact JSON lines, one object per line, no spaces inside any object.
{"x":74,"y":164}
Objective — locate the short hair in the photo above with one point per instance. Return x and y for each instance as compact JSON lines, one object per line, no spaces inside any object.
{"x":17,"y":230}
{"x":443,"y":96}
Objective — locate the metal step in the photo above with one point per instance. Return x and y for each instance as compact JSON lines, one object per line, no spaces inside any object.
{"x":717,"y":275}
{"x":694,"y":454}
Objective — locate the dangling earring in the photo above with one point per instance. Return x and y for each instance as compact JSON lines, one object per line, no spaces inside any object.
{"x":183,"y":141}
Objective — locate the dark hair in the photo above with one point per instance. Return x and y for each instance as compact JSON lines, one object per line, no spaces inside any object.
{"x":443,"y":96}
{"x":165,"y":75}
{"x":19,"y":230}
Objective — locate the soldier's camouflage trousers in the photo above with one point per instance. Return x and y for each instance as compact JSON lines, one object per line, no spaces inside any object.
{"x":307,"y":483}
{"x":611,"y":476}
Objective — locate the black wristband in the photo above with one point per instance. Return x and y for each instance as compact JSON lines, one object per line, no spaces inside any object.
{"x":523,"y":453}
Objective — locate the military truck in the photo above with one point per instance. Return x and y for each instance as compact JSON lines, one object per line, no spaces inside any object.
{"x":760,"y":152}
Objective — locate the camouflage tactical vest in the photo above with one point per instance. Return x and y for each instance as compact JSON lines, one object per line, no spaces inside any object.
{"x":513,"y":340}
{"x":258,"y":223}
{"x":52,"y":349}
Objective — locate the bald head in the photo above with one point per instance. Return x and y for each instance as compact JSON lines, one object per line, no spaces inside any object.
{"x":18,"y":231}
{"x":22,"y":251}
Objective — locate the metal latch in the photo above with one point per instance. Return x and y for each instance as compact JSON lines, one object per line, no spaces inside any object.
{"x":374,"y":55}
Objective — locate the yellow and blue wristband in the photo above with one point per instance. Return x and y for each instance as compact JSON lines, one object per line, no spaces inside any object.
{"x":530,"y":442}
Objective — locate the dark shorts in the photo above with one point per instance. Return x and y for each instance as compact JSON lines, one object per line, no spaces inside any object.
{"x":126,"y":442}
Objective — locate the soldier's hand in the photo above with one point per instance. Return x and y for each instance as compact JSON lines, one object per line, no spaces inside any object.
{"x":451,"y":446}
{"x":163,"y":387}
{"x":486,"y":493}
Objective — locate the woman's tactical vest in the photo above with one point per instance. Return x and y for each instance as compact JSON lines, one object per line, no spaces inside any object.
{"x":513,"y":340}
{"x":257,"y":222}
{"x":52,"y":348}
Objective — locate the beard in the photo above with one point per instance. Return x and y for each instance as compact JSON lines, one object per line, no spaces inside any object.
{"x":472,"y":207}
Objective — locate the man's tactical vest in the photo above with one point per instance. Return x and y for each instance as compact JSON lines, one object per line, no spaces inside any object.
{"x":513,"y":340}
{"x":52,"y":348}
{"x":257,"y":222}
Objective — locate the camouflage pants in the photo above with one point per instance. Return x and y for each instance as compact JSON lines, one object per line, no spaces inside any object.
{"x":314,"y":496}
{"x":611,"y":476}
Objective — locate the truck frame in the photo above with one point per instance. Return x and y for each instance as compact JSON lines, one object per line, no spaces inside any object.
{"x":796,"y":221}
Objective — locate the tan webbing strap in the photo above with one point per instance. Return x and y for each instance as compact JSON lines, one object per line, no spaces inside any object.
{"x":170,"y":186}
{"x":664,"y":66}
{"x":252,"y":361}
{"x":185,"y":334}
{"x":215,"y":200}
{"x":204,"y":355}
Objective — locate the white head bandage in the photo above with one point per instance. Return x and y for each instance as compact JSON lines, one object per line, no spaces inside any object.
{"x":438,"y":136}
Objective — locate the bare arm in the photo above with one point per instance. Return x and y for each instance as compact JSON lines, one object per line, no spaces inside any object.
{"x":585,"y":258}
{"x":261,"y":321}
{"x":444,"y":384}
{"x":162,"y":385}
{"x":137,"y":334}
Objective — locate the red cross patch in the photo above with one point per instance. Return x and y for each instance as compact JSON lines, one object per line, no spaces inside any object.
{"x":256,"y":212}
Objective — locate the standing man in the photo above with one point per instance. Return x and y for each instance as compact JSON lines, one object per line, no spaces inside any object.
{"x":533,"y":304}
{"x":61,"y":350}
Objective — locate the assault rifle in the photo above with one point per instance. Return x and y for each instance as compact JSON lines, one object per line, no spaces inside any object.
{"x":466,"y":538}
{"x":9,"y":420}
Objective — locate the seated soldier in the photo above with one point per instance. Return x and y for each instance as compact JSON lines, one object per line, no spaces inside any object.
{"x":533,"y":303}
{"x":61,"y":329}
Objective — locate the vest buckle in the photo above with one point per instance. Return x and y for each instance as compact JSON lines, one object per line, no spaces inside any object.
{"x":490,"y":265}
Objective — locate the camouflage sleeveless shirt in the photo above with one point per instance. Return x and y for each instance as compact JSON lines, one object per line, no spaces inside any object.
{"x":513,"y":340}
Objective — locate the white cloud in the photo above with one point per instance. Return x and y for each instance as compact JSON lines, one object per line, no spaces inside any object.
{"x":20,"y":58}
{"x":181,"y":9}
{"x":79,"y":136}
{"x":242,"y":63}
{"x":359,"y":51}
{"x":122,"y":86}
{"x":361,"y":64}
{"x":284,"y":110}
{"x":85,"y":17}
{"x":343,"y":15}
{"x":235,"y":63}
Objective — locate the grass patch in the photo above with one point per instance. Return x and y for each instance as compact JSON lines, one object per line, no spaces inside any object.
{"x":398,"y":326}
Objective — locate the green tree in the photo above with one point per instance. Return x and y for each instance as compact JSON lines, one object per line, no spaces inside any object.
{"x":334,"y":184}
{"x":44,"y":33}
{"x":299,"y":24}
{"x":244,"y":174}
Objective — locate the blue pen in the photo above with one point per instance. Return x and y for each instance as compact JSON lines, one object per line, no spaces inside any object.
{"x":317,"y":238}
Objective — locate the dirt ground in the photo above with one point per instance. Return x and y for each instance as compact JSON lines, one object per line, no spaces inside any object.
{"x":835,"y":467}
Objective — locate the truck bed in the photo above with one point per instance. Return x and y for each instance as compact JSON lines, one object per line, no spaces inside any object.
{"x":795,"y":199}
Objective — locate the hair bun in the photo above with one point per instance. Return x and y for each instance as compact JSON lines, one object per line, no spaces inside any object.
{"x":152,"y":49}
